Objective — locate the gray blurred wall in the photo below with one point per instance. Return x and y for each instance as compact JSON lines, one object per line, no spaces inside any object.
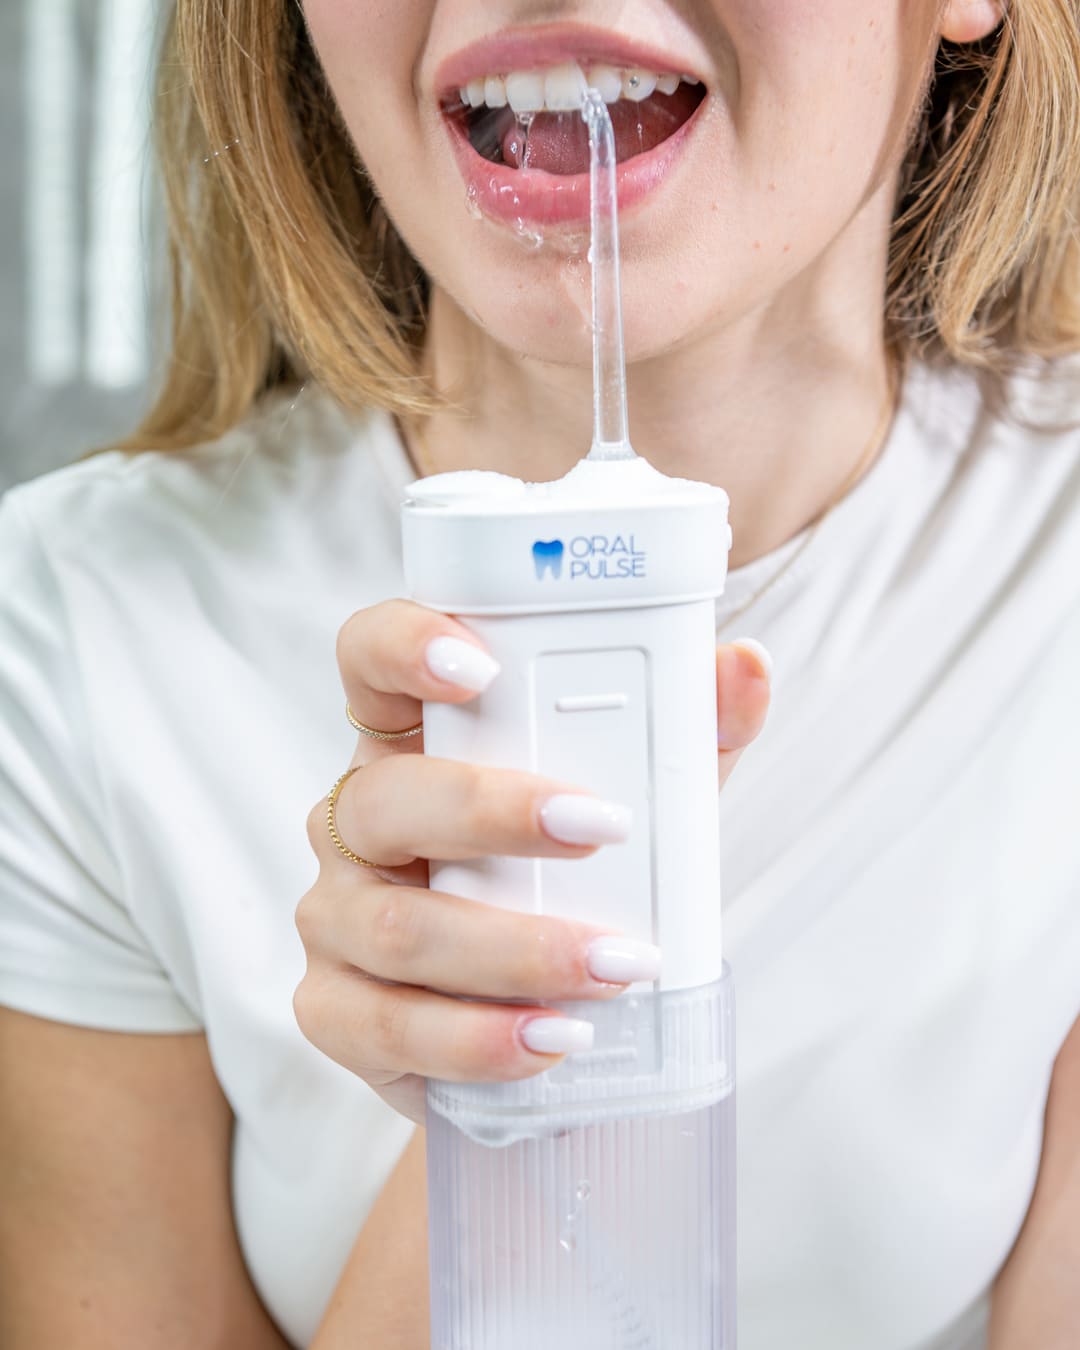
{"x":80,"y":258}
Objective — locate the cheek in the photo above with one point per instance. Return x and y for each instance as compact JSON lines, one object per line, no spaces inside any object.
{"x":838,"y":70}
{"x":367,"y":49}
{"x":370,"y":52}
{"x":823,"y":96}
{"x":818,"y":74}
{"x":352,"y":37}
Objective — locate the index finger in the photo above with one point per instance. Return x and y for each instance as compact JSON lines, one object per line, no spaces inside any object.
{"x":393,"y":655}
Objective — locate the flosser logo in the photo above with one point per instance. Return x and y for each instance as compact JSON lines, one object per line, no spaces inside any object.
{"x":593,"y":557}
{"x":547,"y":557}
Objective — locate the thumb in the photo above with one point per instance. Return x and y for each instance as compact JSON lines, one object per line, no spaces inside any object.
{"x":743,"y":670}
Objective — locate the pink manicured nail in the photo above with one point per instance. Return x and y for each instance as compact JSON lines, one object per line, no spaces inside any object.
{"x":461,"y":663}
{"x":755,"y":648}
{"x":572,"y":818}
{"x":622,"y":960}
{"x":557,"y":1035}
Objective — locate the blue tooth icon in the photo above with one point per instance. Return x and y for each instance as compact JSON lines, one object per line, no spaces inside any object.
{"x":548,"y":556}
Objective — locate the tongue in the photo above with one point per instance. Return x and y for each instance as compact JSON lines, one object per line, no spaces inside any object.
{"x":559,"y":142}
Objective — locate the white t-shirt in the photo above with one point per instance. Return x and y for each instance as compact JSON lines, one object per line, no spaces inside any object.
{"x":902,"y":895}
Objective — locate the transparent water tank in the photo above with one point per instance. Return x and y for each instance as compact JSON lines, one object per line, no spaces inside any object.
{"x":593,"y":1207}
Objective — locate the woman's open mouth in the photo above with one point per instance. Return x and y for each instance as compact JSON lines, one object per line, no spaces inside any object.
{"x":523,"y":146}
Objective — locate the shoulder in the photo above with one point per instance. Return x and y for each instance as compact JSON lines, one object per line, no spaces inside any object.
{"x":294,"y":456}
{"x":1004,"y":461}
{"x":167,"y":673}
{"x":1042,"y":400}
{"x":1029,"y":440}
{"x":154,"y":581}
{"x":1034,"y":409}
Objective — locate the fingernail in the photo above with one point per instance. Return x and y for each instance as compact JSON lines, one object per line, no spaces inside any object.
{"x":756,"y":648}
{"x":622,"y":960}
{"x":557,"y":1035}
{"x":572,"y":818}
{"x":461,"y":663}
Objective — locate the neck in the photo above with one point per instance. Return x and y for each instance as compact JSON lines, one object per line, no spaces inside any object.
{"x":783,"y":407}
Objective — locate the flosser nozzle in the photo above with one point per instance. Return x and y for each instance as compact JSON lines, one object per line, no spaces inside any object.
{"x":611,"y":437}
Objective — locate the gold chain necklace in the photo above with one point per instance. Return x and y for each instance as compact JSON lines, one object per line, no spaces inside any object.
{"x":415,"y":449}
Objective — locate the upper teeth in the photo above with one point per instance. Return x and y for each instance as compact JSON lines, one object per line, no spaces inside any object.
{"x":560,"y":89}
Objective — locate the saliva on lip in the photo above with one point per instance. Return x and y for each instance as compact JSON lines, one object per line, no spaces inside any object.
{"x":530,"y":237}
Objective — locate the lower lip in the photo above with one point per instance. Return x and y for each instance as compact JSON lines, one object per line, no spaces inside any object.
{"x":537,"y":198}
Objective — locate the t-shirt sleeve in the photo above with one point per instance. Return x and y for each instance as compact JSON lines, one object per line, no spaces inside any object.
{"x":70,"y":949}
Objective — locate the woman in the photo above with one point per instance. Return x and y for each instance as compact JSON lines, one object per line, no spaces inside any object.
{"x":850,"y":292}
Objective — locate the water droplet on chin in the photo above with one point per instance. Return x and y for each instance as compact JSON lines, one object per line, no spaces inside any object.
{"x":532,"y":239}
{"x":472,"y":202}
{"x":576,"y":288}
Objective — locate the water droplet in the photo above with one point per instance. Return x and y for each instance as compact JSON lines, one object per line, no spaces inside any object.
{"x":568,"y":1242}
{"x":584,"y":1190}
{"x":472,"y":201}
{"x":532,"y":239}
{"x":589,"y":256}
{"x":519,"y":146}
{"x":514,"y":149}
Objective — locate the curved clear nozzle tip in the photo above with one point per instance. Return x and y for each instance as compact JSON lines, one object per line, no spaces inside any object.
{"x":611,"y":437}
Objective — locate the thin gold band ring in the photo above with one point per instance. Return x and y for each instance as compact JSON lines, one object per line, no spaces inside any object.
{"x":377,"y":735}
{"x":331,"y":823}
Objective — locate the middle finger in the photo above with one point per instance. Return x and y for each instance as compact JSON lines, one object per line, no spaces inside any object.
{"x":414,"y":806}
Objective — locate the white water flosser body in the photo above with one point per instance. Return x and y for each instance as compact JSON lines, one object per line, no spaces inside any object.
{"x":592,"y":1207}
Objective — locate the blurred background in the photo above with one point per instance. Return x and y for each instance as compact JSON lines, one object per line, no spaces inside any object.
{"x":80,"y":274}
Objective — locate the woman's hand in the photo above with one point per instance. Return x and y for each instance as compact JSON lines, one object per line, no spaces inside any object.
{"x":386,"y":956}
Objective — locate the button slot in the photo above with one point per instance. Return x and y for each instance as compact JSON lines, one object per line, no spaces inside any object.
{"x":572,"y":703}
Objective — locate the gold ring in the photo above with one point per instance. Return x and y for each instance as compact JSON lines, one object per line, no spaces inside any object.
{"x":382,"y":735}
{"x":331,"y":803}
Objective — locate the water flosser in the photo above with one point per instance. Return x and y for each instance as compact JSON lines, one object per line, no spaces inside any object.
{"x":592,"y":1207}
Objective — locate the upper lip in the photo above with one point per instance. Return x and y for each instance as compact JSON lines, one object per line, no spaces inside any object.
{"x":548,"y":45}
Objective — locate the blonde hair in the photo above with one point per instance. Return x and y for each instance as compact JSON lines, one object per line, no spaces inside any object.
{"x":286,"y":267}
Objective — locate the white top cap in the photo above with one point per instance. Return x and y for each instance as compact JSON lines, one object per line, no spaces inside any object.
{"x":588,"y":484}
{"x":610,"y":533}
